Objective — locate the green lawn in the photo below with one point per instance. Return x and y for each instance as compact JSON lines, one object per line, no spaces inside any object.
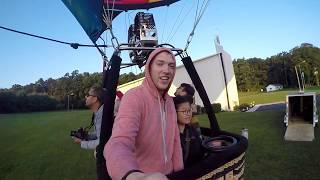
{"x":38,"y":146}
{"x":268,"y":155}
{"x":270,"y":97}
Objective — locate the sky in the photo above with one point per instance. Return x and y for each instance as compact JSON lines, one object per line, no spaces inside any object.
{"x":246,"y":29}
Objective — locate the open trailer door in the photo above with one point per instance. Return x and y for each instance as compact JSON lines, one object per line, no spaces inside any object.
{"x":301,"y":116}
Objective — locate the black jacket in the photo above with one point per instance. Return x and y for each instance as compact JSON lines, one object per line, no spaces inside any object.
{"x":191,"y":144}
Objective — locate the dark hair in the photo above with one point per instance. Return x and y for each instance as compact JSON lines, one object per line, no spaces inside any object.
{"x":182,"y":99}
{"x":99,"y":92}
{"x":188,"y":88}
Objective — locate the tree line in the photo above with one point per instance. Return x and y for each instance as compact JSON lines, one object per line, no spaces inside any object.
{"x":255,"y":73}
{"x":251,"y":74}
{"x":54,"y":94}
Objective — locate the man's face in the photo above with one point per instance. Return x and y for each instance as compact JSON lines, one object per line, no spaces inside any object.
{"x":180,"y":91}
{"x":162,"y":70}
{"x":91,"y":98}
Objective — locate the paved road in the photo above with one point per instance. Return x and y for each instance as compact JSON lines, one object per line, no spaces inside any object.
{"x":270,"y":107}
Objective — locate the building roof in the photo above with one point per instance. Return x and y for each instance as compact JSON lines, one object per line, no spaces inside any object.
{"x":194,"y":62}
{"x":275,"y":85}
{"x":201,"y":59}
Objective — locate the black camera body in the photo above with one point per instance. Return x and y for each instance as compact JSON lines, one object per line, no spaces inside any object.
{"x":81,"y":133}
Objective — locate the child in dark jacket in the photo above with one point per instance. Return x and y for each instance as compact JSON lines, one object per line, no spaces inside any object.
{"x":189,"y":136}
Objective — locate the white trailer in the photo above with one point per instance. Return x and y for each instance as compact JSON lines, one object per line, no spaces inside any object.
{"x":301,"y":116}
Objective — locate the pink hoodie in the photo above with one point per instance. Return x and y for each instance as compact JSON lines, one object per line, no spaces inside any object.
{"x":144,"y":136}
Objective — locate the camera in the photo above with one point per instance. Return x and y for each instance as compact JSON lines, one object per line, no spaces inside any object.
{"x":81,"y":133}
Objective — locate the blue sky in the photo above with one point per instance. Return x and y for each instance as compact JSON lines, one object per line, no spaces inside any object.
{"x":247,"y":28}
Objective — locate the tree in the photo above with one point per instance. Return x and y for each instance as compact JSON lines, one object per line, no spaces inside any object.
{"x":253,"y":73}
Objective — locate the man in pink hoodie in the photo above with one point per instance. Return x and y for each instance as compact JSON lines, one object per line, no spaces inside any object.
{"x":145,"y":142}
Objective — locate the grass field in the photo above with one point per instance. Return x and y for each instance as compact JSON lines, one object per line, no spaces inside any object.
{"x":270,"y":97}
{"x":268,"y":155}
{"x":38,"y":146}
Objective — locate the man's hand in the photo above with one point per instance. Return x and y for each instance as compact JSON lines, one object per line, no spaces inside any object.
{"x":155,"y":176}
{"x":77,"y":140}
{"x":149,"y":176}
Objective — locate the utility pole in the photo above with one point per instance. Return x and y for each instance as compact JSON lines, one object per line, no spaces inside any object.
{"x":68,"y":102}
{"x":71,"y":94}
{"x":295,"y":67}
{"x":316,"y":75}
{"x":298,"y":76}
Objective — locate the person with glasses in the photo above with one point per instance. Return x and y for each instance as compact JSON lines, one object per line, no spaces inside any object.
{"x":189,"y":137}
{"x":94,"y":101}
{"x":145,"y":141}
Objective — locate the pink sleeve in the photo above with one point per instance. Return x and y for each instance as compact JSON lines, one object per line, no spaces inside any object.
{"x":119,"y":151}
{"x":177,"y":152}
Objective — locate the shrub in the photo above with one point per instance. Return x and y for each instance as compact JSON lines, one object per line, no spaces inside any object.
{"x":60,"y":106}
{"x":236,"y":108}
{"x":199,"y":109}
{"x":202,"y":110}
{"x":216,"y":107}
{"x":244,"y":107}
{"x":8,"y":102}
{"x":11,"y":103}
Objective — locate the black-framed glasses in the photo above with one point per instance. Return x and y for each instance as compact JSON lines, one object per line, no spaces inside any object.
{"x":186,"y":112}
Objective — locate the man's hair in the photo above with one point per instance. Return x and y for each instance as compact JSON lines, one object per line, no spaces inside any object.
{"x":188,"y":88}
{"x":99,"y":92}
{"x":182,"y":99}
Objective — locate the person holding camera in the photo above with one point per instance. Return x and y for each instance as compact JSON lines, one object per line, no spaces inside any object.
{"x":145,"y":141}
{"x":94,"y":100}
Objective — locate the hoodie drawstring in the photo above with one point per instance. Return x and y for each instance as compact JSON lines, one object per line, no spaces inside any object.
{"x":163,"y":129}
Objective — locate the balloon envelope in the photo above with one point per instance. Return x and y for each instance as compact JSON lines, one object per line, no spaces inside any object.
{"x":136,"y":4}
{"x":89,"y":13}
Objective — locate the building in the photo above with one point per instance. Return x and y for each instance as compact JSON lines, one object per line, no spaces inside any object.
{"x":274,"y":87}
{"x":217,"y":75}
